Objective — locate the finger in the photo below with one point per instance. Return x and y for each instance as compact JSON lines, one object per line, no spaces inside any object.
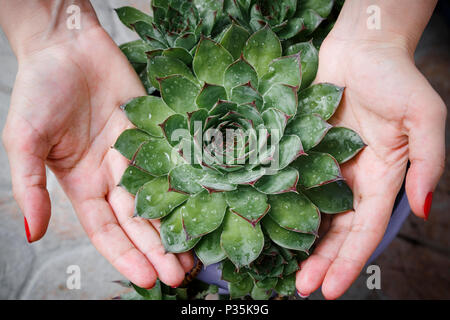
{"x":186,"y":259}
{"x":312,"y":271}
{"x":102,"y":227}
{"x":27,"y":162}
{"x":146,"y":238}
{"x":425,"y":122}
{"x":367,"y":229}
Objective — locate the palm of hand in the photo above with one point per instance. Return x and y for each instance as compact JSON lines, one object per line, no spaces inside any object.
{"x":381,"y":102}
{"x":66,"y":105}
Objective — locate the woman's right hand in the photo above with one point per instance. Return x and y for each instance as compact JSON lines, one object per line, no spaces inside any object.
{"x":65,"y":114}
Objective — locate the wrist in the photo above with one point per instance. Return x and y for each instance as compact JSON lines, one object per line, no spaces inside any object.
{"x":397,"y":23}
{"x":44,"y":24}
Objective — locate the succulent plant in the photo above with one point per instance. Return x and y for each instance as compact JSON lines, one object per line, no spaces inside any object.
{"x":197,"y":290}
{"x":273,"y":270}
{"x":288,"y":18}
{"x":174,"y":30}
{"x":276,"y":171}
{"x":177,"y":26}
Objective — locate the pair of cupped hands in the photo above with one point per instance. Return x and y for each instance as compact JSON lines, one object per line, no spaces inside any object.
{"x":65,"y":115}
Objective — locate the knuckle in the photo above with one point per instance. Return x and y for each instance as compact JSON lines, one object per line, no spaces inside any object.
{"x":105,"y":229}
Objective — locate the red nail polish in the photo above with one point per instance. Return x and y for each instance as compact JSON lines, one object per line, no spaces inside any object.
{"x":302,"y":295}
{"x":174,"y":287}
{"x":27,"y":229}
{"x":427,"y":205}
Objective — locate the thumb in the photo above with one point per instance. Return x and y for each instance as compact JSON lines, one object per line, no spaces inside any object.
{"x":425,"y":122}
{"x":27,"y":153}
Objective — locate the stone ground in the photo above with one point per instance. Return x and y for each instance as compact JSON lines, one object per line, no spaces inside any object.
{"x":415,"y":266}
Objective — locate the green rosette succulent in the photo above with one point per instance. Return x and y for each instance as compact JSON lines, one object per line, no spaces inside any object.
{"x":292,"y":20}
{"x":177,"y":26}
{"x":196,"y":290}
{"x":273,"y":270}
{"x":273,"y":175}
{"x":174,"y":30}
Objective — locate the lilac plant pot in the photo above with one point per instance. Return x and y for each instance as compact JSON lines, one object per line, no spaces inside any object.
{"x":212,"y":273}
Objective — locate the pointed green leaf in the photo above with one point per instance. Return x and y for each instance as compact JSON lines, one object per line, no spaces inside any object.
{"x":293,"y":27}
{"x":290,"y":148}
{"x":281,"y":182}
{"x":333,"y":197}
{"x":154,"y":200}
{"x":173,"y":235}
{"x":184,"y":179}
{"x":290,"y":267}
{"x":322,"y":98}
{"x":250,"y":112}
{"x":238,"y":73}
{"x":208,"y":250}
{"x":163,"y":66}
{"x":197,"y":120}
{"x":211,"y":61}
{"x":266,"y":283}
{"x":246,"y":177}
{"x":317,"y":169}
{"x":260,"y":294}
{"x":311,"y":21}
{"x":133,"y":179}
{"x":180,"y":54}
{"x":284,"y":70}
{"x":281,"y":97}
{"x":248,"y":203}
{"x":286,"y":285}
{"x":342,"y":143}
{"x":210,"y":95}
{"x":241,"y":241}
{"x":129,"y":142}
{"x":234,"y":40}
{"x":322,"y":7}
{"x":151,"y":35}
{"x":240,"y":289}
{"x":203,"y":213}
{"x":147,"y":113}
{"x":135,"y":51}
{"x":275,"y":122}
{"x":309,"y":128}
{"x":149,"y":294}
{"x":294,"y":212}
{"x":309,"y":57}
{"x":179,"y":93}
{"x":146,"y":82}
{"x":223,"y":107}
{"x":245,"y":93}
{"x":129,"y":16}
{"x":261,"y":48}
{"x":155,"y":157}
{"x":230,"y":273}
{"x":186,"y":40}
{"x":215,"y":182}
{"x":287,"y":239}
{"x":175,"y":129}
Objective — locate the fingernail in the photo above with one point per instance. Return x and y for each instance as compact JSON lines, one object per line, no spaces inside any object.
{"x":302,"y":295}
{"x":427,"y":205}
{"x":174,"y":287}
{"x":27,"y":229}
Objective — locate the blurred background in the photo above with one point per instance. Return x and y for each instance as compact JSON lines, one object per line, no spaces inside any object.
{"x":415,"y":266}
